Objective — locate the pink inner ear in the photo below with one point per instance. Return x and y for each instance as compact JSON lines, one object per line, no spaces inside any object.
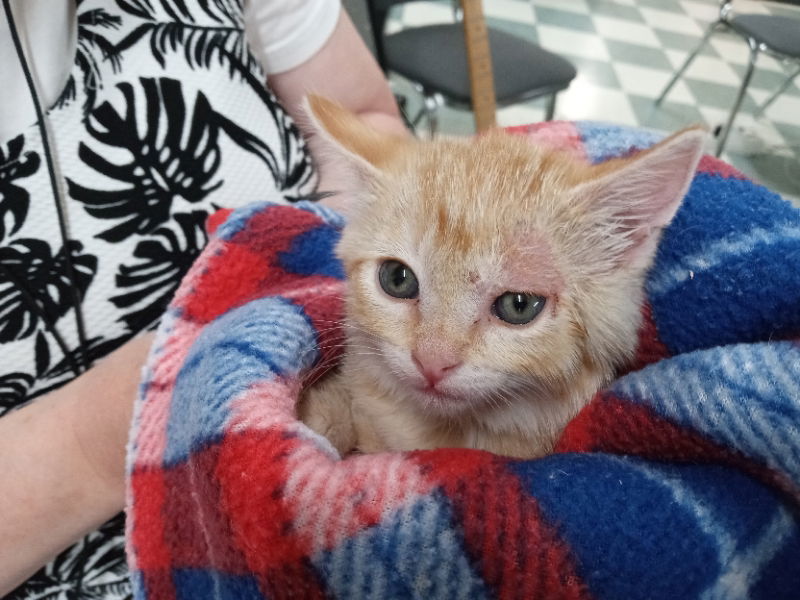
{"x":641,"y":198}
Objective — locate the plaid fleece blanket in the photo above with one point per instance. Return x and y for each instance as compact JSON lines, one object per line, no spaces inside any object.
{"x":681,"y":480}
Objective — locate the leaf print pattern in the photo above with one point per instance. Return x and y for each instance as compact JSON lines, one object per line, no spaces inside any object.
{"x":14,"y":199}
{"x":177,"y":157}
{"x":90,"y":43}
{"x":32,"y":271}
{"x":166,"y":163}
{"x":213,"y":31}
{"x":13,"y":389}
{"x":164,"y":258}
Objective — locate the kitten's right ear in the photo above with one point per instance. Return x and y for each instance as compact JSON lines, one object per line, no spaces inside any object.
{"x":366,"y":147}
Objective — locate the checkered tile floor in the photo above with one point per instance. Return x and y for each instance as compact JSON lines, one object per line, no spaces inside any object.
{"x":626,"y":50}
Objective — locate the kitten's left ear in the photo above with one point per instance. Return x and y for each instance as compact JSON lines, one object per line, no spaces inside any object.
{"x":366,"y":148}
{"x":635,"y":198}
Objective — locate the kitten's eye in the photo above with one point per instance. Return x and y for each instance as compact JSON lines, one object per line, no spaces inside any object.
{"x":398,"y":280}
{"x":518,"y":308}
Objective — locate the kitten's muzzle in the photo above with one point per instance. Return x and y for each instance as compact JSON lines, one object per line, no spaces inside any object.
{"x":436,"y":367}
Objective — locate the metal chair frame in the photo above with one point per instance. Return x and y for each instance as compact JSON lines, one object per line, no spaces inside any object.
{"x":756,"y":47}
{"x":432,"y":99}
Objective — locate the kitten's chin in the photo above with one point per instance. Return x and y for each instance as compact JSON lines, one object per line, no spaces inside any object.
{"x":439,"y":401}
{"x":443,"y":401}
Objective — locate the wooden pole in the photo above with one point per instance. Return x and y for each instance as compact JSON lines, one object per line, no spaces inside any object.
{"x":479,"y":61}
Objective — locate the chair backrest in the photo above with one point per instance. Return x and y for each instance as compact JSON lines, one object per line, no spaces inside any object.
{"x":479,"y":59}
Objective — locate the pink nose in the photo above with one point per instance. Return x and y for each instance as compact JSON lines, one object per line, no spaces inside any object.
{"x":434,"y":368}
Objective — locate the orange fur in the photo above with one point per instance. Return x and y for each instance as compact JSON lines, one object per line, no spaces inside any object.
{"x":475,"y":218}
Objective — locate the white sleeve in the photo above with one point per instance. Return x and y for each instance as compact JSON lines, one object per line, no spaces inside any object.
{"x":285,"y":33}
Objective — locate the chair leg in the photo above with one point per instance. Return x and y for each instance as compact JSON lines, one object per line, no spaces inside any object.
{"x":414,"y":121}
{"x":430,"y":105}
{"x":723,"y":136}
{"x":550,"y":108}
{"x":688,"y":61}
{"x":779,"y":91}
{"x":423,"y":109}
{"x":402,"y":104}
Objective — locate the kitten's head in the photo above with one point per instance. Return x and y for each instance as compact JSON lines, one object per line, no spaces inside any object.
{"x":489,"y":271}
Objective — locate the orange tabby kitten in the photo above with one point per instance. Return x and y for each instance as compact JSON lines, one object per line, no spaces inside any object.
{"x":492,"y":285}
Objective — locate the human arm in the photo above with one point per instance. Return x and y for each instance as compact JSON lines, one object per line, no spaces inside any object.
{"x":62,"y":463}
{"x":343,"y":70}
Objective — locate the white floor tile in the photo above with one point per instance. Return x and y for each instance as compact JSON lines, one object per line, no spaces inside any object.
{"x":758,"y":95}
{"x":676,"y":58}
{"x":669,"y":21}
{"x":393,"y":26}
{"x":585,"y":101}
{"x":426,"y":13}
{"x":520,"y":114}
{"x":625,"y":31}
{"x":558,"y":39}
{"x":705,"y":68}
{"x":713,"y":69}
{"x":730,"y":47}
{"x":511,"y":10}
{"x":786,"y":109}
{"x":646,"y":82}
{"x":713,"y":116}
{"x":752,"y":6}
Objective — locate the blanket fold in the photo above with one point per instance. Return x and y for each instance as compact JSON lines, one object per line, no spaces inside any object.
{"x":679,"y":480}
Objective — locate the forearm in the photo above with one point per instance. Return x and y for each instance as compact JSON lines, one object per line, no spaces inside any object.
{"x":344,"y":71}
{"x":332,"y":177}
{"x":62,"y":463}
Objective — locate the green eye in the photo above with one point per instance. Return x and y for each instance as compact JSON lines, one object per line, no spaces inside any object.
{"x":398,"y":280}
{"x":518,"y":308}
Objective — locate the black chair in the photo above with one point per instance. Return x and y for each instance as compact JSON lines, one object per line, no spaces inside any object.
{"x":434,"y":59}
{"x":778,"y":36}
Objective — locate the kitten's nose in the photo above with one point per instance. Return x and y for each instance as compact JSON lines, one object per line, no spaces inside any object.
{"x":434,"y":367}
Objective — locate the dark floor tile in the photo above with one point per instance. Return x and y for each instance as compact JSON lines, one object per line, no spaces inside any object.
{"x":717,"y":95}
{"x":597,"y":72}
{"x":669,"y":116}
{"x":563,"y":18}
{"x":681,"y":41}
{"x":666,"y":5}
{"x":525,"y":31}
{"x":612,"y":9}
{"x":764,"y":79}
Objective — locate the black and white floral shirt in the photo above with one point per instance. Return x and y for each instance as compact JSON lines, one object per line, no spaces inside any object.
{"x":165,"y":117}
